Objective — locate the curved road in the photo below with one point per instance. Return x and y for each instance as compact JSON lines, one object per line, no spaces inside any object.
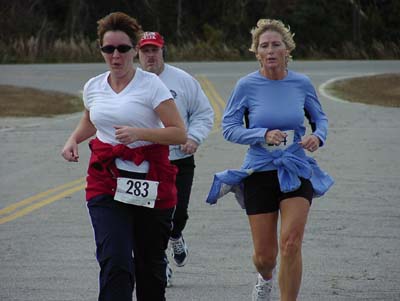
{"x":352,"y":242}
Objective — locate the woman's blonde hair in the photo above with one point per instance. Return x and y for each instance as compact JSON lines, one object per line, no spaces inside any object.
{"x":264,"y":25}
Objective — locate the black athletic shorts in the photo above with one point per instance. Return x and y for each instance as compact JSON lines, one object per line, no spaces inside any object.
{"x":262,"y":193}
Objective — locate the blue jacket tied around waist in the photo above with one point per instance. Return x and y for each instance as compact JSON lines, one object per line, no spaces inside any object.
{"x":289,"y":166}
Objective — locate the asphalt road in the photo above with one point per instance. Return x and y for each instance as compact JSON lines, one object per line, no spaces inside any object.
{"x":352,"y":243}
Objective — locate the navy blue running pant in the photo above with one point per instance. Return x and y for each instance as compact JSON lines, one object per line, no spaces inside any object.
{"x":130,"y":248}
{"x":184,"y":181}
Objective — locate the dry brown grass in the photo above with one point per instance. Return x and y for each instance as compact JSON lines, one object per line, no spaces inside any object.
{"x":28,"y":102}
{"x":382,"y":89}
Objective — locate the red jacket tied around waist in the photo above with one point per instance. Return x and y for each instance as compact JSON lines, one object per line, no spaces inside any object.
{"x":102,"y":172}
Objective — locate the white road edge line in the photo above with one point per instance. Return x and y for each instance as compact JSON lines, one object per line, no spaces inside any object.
{"x":324,"y":93}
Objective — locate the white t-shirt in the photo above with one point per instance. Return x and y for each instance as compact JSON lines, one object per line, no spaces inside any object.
{"x":133,"y":106}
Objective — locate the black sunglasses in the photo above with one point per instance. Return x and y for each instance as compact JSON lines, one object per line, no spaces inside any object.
{"x":110,"y":48}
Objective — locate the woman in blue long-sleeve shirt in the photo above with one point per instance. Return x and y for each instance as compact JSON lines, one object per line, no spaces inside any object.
{"x":283,"y":180}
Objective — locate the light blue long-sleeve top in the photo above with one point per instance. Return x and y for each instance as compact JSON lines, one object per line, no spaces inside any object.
{"x":272,"y":104}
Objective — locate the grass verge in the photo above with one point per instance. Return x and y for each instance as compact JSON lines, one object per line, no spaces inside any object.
{"x":381,"y":89}
{"x":29,"y":102}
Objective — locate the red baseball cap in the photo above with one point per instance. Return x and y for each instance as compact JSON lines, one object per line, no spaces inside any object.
{"x":151,"y":38}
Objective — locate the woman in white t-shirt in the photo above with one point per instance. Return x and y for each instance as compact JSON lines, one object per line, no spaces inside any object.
{"x":130,"y":190}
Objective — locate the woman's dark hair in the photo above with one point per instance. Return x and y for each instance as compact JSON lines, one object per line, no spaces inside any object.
{"x":118,"y":21}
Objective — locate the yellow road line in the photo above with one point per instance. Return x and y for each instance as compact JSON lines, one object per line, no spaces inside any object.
{"x":214,"y":104}
{"x":40,"y":204}
{"x":38,"y":196}
{"x":219,"y":99}
{"x":213,"y":96}
{"x":217,"y":102}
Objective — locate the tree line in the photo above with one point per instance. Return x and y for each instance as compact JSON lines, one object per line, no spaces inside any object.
{"x":202,"y":29}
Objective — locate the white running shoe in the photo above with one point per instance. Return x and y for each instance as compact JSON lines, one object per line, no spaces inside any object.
{"x":179,"y":251}
{"x":169,"y":275}
{"x":262,"y":290}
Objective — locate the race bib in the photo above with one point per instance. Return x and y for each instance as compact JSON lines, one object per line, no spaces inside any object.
{"x":136,"y":192}
{"x":284,"y":144}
